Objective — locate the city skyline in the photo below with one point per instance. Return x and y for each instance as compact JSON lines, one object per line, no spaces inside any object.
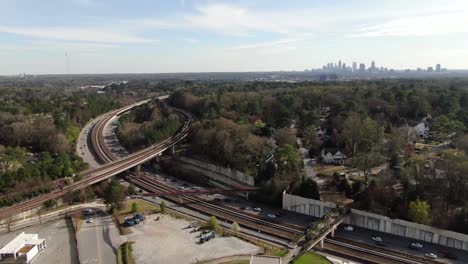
{"x":341,"y":66}
{"x":103,"y":36}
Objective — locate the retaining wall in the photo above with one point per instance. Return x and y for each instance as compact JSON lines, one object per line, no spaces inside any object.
{"x":227,"y":172}
{"x":379,"y":222}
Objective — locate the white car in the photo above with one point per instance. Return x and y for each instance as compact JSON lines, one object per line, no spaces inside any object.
{"x":257,"y":209}
{"x":416,"y":245}
{"x":348,"y":228}
{"x":377,"y":239}
{"x":271,"y":215}
{"x":430,"y":255}
{"x":90,"y":220}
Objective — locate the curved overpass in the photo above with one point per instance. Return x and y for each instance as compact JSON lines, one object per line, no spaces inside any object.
{"x":109,"y":169}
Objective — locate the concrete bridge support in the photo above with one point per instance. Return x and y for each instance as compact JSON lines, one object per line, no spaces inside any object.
{"x":138,"y":170}
{"x":173,"y":149}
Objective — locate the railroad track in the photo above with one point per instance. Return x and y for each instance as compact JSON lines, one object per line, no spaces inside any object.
{"x":108,"y":170}
{"x":247,"y":220}
{"x":372,"y":254}
{"x":282,"y":230}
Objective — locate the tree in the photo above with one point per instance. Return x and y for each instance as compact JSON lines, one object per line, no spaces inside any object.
{"x":131,"y":190}
{"x":365,"y":162}
{"x":135,"y":207}
{"x":213,"y":223}
{"x":288,"y":158}
{"x":419,"y":212}
{"x":285,"y":136}
{"x":235,"y":227}
{"x":444,"y":127}
{"x":311,"y":140}
{"x":114,"y":194}
{"x":308,"y":189}
{"x":162,"y":206}
{"x":50,"y":203}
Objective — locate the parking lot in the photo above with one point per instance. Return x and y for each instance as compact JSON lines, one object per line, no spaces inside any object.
{"x":60,"y":240}
{"x":169,"y":240}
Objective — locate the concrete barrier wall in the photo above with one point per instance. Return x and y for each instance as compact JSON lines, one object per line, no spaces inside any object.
{"x":230,"y":173}
{"x":380,"y":223}
{"x":306,"y":206}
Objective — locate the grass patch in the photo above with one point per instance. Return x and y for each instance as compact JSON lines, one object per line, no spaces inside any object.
{"x":124,"y":254}
{"x":329,"y":169}
{"x":145,"y":208}
{"x":277,"y":252}
{"x":310,"y":257}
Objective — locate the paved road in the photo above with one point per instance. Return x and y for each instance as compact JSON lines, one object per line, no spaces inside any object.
{"x":98,"y":241}
{"x":84,"y":142}
{"x":399,"y":243}
{"x":308,"y":164}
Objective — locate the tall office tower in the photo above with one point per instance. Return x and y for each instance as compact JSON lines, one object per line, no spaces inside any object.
{"x":372,"y":66}
{"x":354,"y":66}
{"x":438,"y":67}
{"x":339,"y":64}
{"x":362,"y":67}
{"x":343,"y":67}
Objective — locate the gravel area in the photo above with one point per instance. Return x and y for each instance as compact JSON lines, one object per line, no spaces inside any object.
{"x":168,"y":240}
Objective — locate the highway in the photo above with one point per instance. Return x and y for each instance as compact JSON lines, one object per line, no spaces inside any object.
{"x":400,"y":244}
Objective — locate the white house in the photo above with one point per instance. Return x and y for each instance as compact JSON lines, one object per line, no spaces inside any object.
{"x":333,"y":156}
{"x":422,"y":130}
{"x":23,"y":248}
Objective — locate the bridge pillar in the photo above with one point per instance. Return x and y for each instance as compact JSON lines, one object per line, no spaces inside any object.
{"x":321,"y":242}
{"x":137,"y":170}
{"x":332,"y":233}
{"x":173,"y":149}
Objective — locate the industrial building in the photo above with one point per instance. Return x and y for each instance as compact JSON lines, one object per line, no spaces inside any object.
{"x":23,"y":248}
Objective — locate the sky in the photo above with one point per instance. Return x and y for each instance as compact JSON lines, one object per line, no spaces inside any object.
{"x":149,"y":36}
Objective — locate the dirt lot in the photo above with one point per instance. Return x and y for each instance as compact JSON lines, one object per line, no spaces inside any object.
{"x":168,"y":240}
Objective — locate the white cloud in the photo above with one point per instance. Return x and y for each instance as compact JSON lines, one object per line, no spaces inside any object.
{"x":191,"y":40}
{"x":74,"y":34}
{"x":272,"y":44}
{"x":228,"y":19}
{"x":422,"y":25}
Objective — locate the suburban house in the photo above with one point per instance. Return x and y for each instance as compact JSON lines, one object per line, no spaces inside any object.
{"x":22,"y":249}
{"x":333,"y":156}
{"x":422,"y":130}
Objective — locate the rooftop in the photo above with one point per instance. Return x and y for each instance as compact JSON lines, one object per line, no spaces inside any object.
{"x":19,"y":242}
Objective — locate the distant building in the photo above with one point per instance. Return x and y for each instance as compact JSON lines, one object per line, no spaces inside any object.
{"x":23,"y":248}
{"x":333,"y":156}
{"x":430,"y":69}
{"x":362,"y":67}
{"x":438,"y":68}
{"x":354,"y":66}
{"x":372,"y":68}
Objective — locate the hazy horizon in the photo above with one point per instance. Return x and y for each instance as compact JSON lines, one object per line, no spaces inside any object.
{"x":105,"y":37}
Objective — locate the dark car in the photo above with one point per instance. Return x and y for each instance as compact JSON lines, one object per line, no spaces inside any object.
{"x":448,"y":254}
